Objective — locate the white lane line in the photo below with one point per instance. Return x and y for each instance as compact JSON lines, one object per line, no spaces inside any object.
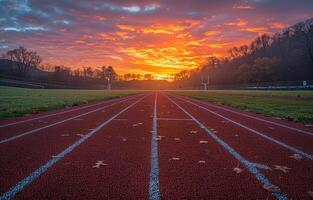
{"x":154,"y":189}
{"x":59,"y":113}
{"x":33,"y":176}
{"x":257,"y":118}
{"x":253,"y":168}
{"x":56,"y":123}
{"x":174,"y":119}
{"x":291,"y":148}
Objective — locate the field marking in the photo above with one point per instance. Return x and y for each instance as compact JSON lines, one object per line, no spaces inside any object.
{"x":253,"y":117}
{"x":34,"y":175}
{"x":56,"y":123}
{"x":291,"y":148}
{"x":154,"y":189}
{"x":174,"y":119}
{"x":253,"y":168}
{"x":59,"y":113}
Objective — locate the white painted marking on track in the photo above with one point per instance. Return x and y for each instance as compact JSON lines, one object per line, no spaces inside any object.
{"x":290,"y":148}
{"x":154,"y":188}
{"x":19,"y":135}
{"x":121,"y":119}
{"x":253,"y":117}
{"x":29,"y":179}
{"x":253,"y":168}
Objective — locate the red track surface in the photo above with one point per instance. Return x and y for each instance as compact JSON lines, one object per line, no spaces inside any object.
{"x":191,"y":163}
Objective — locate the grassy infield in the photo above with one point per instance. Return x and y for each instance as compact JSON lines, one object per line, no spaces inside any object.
{"x":296,"y":105}
{"x":293,"y":105}
{"x":19,"y":101}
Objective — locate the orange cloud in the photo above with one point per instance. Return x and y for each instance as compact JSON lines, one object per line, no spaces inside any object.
{"x":242,"y":7}
{"x":277,"y":25}
{"x":126,"y":27}
{"x":100,"y":18}
{"x":212,"y":33}
{"x":217,"y":45}
{"x":158,"y":30}
{"x":170,"y":28}
{"x":239,"y":23}
{"x":259,"y":30}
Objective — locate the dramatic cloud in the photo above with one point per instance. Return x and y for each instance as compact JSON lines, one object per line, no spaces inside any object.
{"x":159,"y":37}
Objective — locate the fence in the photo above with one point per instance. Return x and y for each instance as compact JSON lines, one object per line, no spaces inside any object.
{"x":279,"y":85}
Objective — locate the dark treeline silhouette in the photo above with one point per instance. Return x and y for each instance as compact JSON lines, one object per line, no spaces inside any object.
{"x":22,"y":62}
{"x":26,"y":65}
{"x":132,"y":77}
{"x":285,"y":56}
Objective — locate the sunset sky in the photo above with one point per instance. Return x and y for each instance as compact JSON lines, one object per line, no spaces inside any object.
{"x":159,"y":37}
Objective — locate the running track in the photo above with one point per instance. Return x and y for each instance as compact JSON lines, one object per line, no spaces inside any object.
{"x":154,"y":146}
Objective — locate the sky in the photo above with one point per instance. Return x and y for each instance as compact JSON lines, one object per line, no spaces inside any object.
{"x":158,"y":37}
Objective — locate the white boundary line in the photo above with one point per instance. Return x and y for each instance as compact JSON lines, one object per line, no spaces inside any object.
{"x":41,"y":170}
{"x":246,"y":115}
{"x":154,"y":190}
{"x":251,"y":167}
{"x":59,"y":113}
{"x":291,"y":148}
{"x":56,"y":123}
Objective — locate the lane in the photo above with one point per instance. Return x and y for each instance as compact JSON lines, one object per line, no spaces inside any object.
{"x":291,"y":172}
{"x":17,"y":132}
{"x":154,"y":147}
{"x":25,"y":119}
{"x":194,"y":165}
{"x":20,"y":157}
{"x":123,"y":146}
{"x":289,"y":138}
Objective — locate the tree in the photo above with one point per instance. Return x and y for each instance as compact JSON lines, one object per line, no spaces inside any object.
{"x":25,"y":60}
{"x":76,"y":72}
{"x":263,"y":69}
{"x":62,"y":73}
{"x":110,"y":75}
{"x":127,"y":77}
{"x":87,"y":71}
{"x":305,"y":30}
{"x":148,"y":76}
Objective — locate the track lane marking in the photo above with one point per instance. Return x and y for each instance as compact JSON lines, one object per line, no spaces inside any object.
{"x":253,"y":117}
{"x":34,"y":175}
{"x":253,"y":168}
{"x":59,"y":113}
{"x":19,"y":135}
{"x":154,"y":189}
{"x":290,"y":148}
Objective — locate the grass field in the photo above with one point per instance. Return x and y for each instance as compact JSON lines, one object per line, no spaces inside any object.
{"x":266,"y":93}
{"x":295,"y":105}
{"x":20,"y":101}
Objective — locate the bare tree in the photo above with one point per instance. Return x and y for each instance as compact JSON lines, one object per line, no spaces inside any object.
{"x":87,"y":72}
{"x":25,"y":60}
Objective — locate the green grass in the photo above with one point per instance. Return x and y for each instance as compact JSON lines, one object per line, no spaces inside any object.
{"x":269,"y":93}
{"x":259,"y":102}
{"x":20,"y":101}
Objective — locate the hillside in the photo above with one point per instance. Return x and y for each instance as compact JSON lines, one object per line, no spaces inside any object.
{"x":284,"y":56}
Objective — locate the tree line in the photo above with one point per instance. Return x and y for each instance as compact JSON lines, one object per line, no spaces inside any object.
{"x":284,"y":56}
{"x":26,"y":62}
